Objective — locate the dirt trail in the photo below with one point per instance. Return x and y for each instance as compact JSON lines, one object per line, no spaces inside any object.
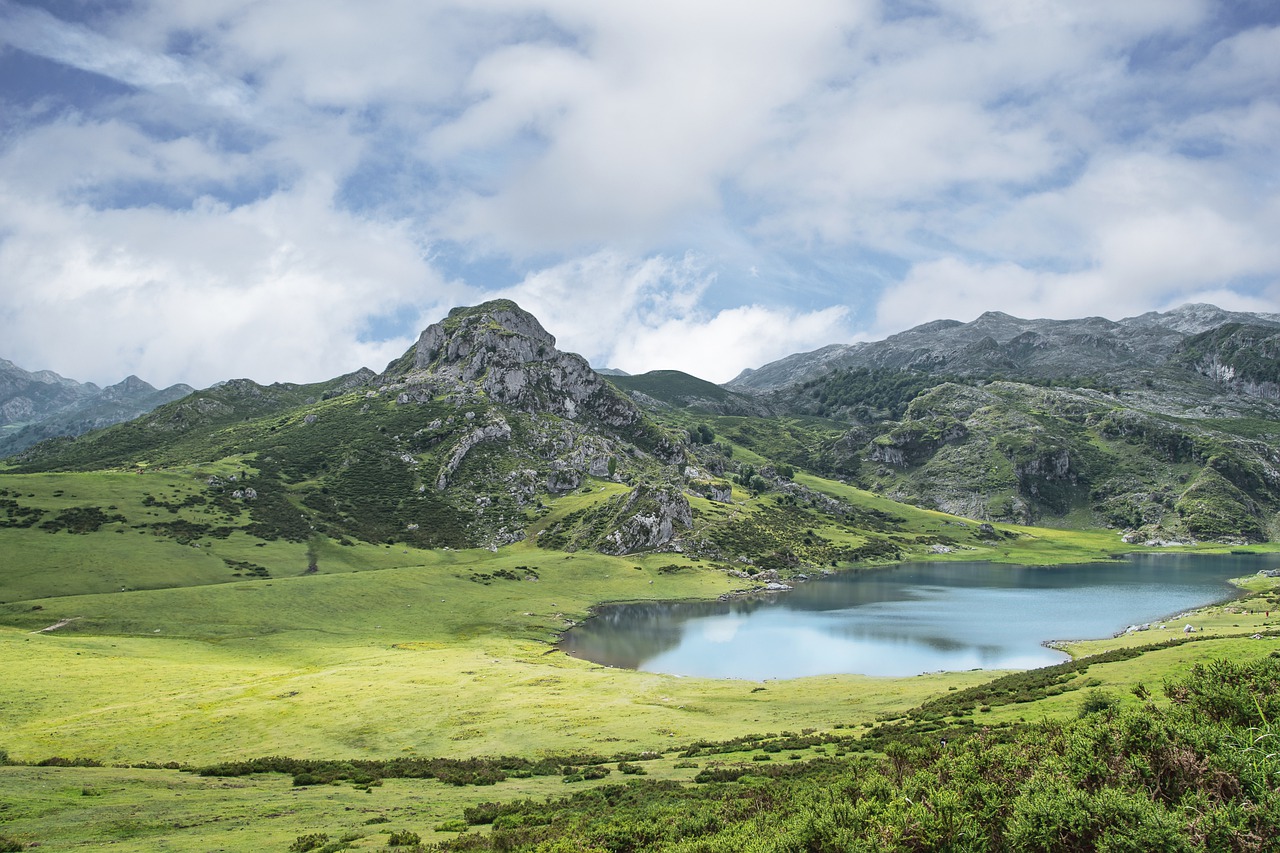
{"x":56,"y":625}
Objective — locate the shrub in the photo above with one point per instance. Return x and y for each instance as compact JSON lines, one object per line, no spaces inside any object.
{"x":60,"y":761}
{"x":404,"y":838}
{"x":304,"y":843}
{"x":1096,"y":701}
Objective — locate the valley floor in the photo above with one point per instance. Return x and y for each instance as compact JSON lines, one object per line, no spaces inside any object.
{"x":420,"y":660}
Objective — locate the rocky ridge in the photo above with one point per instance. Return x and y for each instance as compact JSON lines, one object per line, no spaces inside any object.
{"x":1124,"y":353}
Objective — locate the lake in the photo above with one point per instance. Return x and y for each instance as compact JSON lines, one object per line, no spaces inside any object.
{"x":910,"y":619}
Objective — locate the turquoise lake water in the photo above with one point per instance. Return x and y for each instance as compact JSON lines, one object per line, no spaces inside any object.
{"x":906,"y":620}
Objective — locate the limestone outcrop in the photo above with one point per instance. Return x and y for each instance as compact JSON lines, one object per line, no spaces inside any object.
{"x":650,"y":518}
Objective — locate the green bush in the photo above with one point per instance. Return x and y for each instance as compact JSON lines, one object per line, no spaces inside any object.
{"x":1097,"y":701}
{"x":305,"y":843}
{"x":404,"y":838}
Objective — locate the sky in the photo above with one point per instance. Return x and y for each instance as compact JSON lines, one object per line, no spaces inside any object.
{"x":288,"y":190}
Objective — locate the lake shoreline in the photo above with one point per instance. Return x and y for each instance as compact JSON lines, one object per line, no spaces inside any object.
{"x":904,"y":608}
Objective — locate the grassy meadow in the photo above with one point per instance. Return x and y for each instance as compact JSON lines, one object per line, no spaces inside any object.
{"x":151,"y":640}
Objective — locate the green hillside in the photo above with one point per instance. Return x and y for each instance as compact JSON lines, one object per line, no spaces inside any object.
{"x":681,"y":390}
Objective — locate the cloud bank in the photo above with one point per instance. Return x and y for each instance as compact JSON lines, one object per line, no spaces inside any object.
{"x":288,"y":190}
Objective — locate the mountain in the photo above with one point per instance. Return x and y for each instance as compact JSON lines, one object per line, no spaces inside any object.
{"x":995,"y":345}
{"x":28,"y":396}
{"x":484,"y":433}
{"x":41,"y":405}
{"x":673,"y":388}
{"x":458,"y":442}
{"x":1013,"y":452}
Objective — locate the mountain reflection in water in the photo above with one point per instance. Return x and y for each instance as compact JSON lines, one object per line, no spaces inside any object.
{"x":906,"y":620}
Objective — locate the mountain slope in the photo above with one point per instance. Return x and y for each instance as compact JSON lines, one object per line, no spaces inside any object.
{"x":484,"y":433}
{"x":681,"y":390}
{"x":1242,"y":357}
{"x":26,"y":396}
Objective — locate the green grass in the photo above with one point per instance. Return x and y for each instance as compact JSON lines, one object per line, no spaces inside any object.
{"x":140,"y":811}
{"x":163,"y":654}
{"x":344,"y":666}
{"x":73,"y":808}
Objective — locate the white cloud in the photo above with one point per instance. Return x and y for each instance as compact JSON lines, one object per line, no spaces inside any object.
{"x":718,"y":347}
{"x":37,"y":31}
{"x":1246,"y":61}
{"x":638,"y":118}
{"x":644,"y":314}
{"x":282,"y":169}
{"x":955,"y":290}
{"x":280,"y":289}
{"x":1134,"y":234}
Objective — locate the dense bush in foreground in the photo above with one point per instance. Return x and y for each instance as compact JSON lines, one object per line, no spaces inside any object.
{"x":1199,"y":773}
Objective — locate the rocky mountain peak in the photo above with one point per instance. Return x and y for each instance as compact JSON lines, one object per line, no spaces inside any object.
{"x":505,"y":351}
{"x":130,"y":385}
{"x":499,"y":328}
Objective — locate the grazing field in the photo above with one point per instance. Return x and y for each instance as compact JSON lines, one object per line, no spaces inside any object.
{"x":122,"y":643}
{"x":420,"y":658}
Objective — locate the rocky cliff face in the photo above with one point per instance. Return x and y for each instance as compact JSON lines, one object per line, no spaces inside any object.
{"x":1241,"y":357}
{"x":647,"y":519}
{"x":502,"y":351}
{"x":1012,"y":452}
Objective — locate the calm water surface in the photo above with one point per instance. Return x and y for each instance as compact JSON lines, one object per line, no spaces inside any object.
{"x":916,"y":618}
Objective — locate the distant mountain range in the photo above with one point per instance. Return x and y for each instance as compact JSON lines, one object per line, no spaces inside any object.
{"x":1224,"y":346}
{"x":39,"y":405}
